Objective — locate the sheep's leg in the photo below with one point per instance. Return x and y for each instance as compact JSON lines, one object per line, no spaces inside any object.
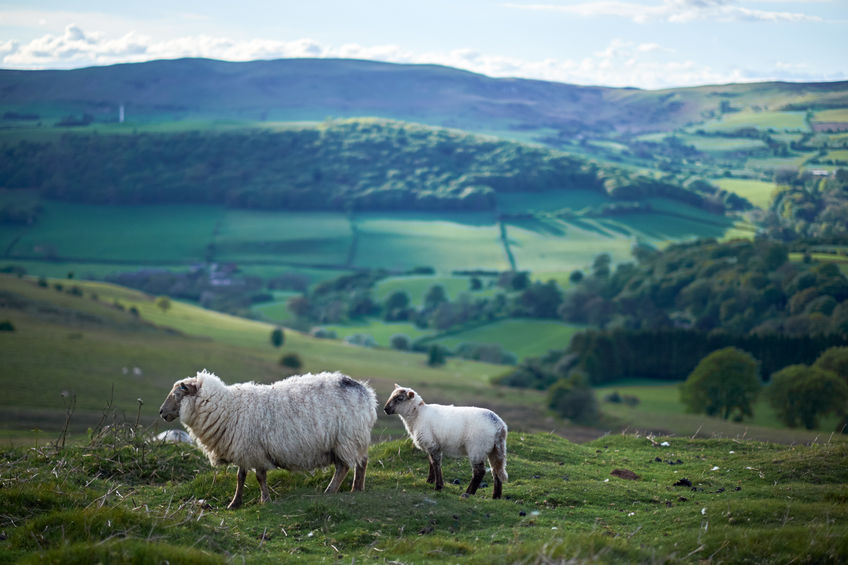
{"x":431,"y":476}
{"x":498,"y":473}
{"x":359,"y":475}
{"x":436,"y":469}
{"x":338,"y":477}
{"x":236,"y":502}
{"x":478,"y":472}
{"x":261,"y":478}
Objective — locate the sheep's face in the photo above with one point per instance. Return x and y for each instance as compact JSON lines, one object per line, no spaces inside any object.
{"x":401,"y":400}
{"x":170,"y":409}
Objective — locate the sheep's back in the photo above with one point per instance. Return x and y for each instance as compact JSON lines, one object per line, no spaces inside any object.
{"x":463,"y":430}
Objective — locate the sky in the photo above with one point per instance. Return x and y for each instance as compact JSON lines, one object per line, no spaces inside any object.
{"x":650,"y":44}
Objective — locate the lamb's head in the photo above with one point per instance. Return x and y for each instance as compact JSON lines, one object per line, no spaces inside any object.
{"x":402,"y":401}
{"x":183,"y":391}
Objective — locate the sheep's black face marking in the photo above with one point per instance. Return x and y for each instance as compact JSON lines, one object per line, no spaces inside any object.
{"x":399,"y":396}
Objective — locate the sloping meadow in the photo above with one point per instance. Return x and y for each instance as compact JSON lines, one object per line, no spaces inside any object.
{"x":620,"y":498}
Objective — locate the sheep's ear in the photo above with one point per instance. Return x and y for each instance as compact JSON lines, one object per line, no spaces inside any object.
{"x":410,"y":394}
{"x":397,"y":385}
{"x":189,"y":388}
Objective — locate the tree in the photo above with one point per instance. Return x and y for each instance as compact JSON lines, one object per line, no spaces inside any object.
{"x":723,"y":383}
{"x":436,"y":356}
{"x":163,"y":303}
{"x":802,"y":394}
{"x":834,"y":360}
{"x":277,"y":337}
{"x":435,"y":296}
{"x":571,"y":397}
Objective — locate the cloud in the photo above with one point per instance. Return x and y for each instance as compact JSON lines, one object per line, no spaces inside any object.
{"x":620,"y":63}
{"x":672,"y":11}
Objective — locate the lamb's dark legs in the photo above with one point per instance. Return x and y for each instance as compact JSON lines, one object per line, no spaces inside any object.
{"x":359,"y":475}
{"x":236,"y":502}
{"x":261,"y":478}
{"x":338,"y":477}
{"x":478,"y":471}
{"x":436,"y":470}
{"x":431,"y":476}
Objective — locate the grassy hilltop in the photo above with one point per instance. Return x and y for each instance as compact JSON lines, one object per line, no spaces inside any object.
{"x":617,"y":499}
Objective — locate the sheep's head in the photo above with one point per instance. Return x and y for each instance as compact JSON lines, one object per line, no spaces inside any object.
{"x":170,"y":409}
{"x":401,"y":400}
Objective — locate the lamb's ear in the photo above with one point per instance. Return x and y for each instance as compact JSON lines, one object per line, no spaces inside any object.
{"x":410,"y":394}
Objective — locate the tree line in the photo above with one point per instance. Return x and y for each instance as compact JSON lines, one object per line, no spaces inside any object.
{"x":339,"y":165}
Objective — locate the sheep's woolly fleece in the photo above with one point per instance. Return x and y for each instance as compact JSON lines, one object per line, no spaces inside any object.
{"x":299,"y":423}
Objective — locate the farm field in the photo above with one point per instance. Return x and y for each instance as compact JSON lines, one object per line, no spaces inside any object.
{"x":406,"y":241}
{"x":252,"y":236}
{"x":661,"y":411}
{"x":523,"y":338}
{"x":133,"y":235}
{"x":762,"y":120}
{"x":417,"y":286}
{"x":758,"y":193}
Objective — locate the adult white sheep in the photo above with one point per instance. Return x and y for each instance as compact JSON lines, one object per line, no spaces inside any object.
{"x":300,"y":423}
{"x":455,"y":431}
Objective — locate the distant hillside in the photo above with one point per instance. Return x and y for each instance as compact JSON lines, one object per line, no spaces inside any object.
{"x":312,"y":89}
{"x":339,"y":165}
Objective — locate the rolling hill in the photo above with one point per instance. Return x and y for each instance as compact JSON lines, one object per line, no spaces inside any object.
{"x":312,"y":89}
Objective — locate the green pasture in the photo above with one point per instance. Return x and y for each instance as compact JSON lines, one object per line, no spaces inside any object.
{"x":834,"y":115}
{"x":527,"y":202}
{"x":775,"y":163}
{"x":758,"y":193}
{"x":722,"y":144}
{"x":381,"y":331}
{"x":405,"y":241}
{"x":277,"y":311}
{"x":761,"y":120}
{"x":116,"y":234}
{"x":283,"y":237}
{"x":660,"y":410}
{"x":417,"y":286}
{"x":522,"y":337}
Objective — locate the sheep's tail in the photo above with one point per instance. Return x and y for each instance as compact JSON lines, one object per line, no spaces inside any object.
{"x":497,"y":458}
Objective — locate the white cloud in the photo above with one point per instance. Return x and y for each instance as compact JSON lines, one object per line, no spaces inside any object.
{"x":673,"y":11}
{"x":621,"y":63}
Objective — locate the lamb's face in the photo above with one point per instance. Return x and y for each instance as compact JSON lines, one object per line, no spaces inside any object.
{"x":170,"y":409}
{"x":401,"y":400}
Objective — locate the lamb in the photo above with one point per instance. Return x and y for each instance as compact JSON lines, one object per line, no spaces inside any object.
{"x":301,"y":423}
{"x":454,"y":431}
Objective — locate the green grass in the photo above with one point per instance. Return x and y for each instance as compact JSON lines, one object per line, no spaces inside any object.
{"x":117,"y":500}
{"x":524,"y":338}
{"x":774,"y":163}
{"x":284,"y":237}
{"x":758,"y":192}
{"x":722,"y":144}
{"x":404,"y":241}
{"x":836,"y":115}
{"x":660,"y":410}
{"x":417,"y":286}
{"x":761,"y":120}
{"x":381,"y":331}
{"x":116,"y":234}
{"x":525,"y":202}
{"x":79,"y":346}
